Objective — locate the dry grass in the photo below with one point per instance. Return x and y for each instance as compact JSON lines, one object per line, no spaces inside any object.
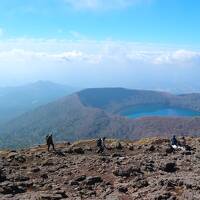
{"x":146,"y":141}
{"x":4,"y":153}
{"x":179,"y":191}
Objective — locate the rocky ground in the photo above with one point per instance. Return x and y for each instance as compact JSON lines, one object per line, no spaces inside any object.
{"x":146,"y":169}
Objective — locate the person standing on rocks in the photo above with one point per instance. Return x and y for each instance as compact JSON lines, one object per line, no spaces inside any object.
{"x":49,"y":140}
{"x":176,"y":144}
{"x":101,"y":145}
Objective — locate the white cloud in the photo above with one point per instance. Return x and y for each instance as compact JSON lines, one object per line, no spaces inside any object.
{"x":89,"y":51}
{"x":102,"y":4}
{"x":178,"y":57}
{"x":86,"y":62}
{"x":20,"y":55}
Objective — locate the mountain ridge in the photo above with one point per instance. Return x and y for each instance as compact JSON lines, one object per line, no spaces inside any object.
{"x":90,"y":113}
{"x":14,"y":101}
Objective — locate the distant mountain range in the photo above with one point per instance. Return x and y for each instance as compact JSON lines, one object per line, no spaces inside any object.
{"x":16,"y":100}
{"x":92,"y":113}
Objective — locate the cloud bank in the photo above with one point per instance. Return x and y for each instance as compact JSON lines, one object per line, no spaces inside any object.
{"x":90,"y":63}
{"x":95,"y":52}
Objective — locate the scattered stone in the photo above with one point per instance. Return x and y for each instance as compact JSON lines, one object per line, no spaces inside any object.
{"x":131,"y":148}
{"x":11,"y":188}
{"x":68,"y":150}
{"x":21,"y":178}
{"x":116,"y":155}
{"x":122,"y":189}
{"x":44,"y":176}
{"x":118,"y":146}
{"x":20,"y":158}
{"x":12,"y":155}
{"x":74,"y":183}
{"x":78,"y":150}
{"x":50,"y":197}
{"x":148,"y":166}
{"x":88,"y":148}
{"x":169,"y":150}
{"x":47,"y":162}
{"x":140,"y":183}
{"x":80,"y":178}
{"x":165,"y":196}
{"x":91,"y":180}
{"x":2,"y":176}
{"x":127,"y":172}
{"x":105,"y":159}
{"x":62,"y":193}
{"x":147,"y":172}
{"x":169,"y":167}
{"x":187,"y":153}
{"x":35,"y":169}
{"x":152,"y":148}
{"x":59,"y":153}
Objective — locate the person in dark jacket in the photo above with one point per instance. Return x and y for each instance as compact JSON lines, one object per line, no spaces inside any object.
{"x":101,"y":145}
{"x":174,"y":141}
{"x":49,"y":140}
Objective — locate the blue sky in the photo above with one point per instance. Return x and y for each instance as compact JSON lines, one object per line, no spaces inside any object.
{"x":151,"y":44}
{"x":171,"y":21}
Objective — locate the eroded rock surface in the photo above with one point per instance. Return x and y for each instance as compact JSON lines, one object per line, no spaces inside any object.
{"x":147,"y":169}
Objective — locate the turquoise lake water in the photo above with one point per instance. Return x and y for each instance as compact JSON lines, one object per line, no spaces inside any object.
{"x":149,"y":110}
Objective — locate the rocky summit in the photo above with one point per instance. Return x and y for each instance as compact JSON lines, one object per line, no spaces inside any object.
{"x":146,"y":169}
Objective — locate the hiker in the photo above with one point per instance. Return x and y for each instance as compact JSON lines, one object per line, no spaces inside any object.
{"x":101,"y":145}
{"x":49,"y":140}
{"x":176,"y":144}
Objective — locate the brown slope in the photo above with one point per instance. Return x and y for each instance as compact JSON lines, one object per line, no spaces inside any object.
{"x":66,"y":118}
{"x":74,"y":117}
{"x":146,"y":169}
{"x":166,"y":126}
{"x":113,"y":100}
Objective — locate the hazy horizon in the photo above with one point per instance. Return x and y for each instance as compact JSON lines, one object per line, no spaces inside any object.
{"x":142,"y":44}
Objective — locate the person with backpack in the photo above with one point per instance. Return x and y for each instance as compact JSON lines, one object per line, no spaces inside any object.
{"x":176,"y":144}
{"x":49,"y":141}
{"x":101,"y":145}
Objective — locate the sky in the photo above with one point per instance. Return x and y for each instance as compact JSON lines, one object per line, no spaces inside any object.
{"x":146,"y":44}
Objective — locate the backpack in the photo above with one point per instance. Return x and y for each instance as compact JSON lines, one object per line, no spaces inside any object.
{"x":98,"y":142}
{"x":47,"y":137}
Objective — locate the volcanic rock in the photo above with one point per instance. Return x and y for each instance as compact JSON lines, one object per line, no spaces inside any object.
{"x":149,"y":172}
